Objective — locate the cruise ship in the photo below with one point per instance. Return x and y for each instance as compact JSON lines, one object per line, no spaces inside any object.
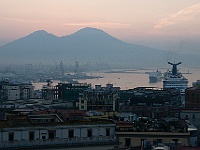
{"x":175,"y":79}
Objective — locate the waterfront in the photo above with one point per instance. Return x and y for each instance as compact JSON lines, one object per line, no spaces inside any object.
{"x":138,"y":78}
{"x":130,"y":79}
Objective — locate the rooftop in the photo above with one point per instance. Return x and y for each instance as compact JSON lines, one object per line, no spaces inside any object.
{"x":43,"y":120}
{"x":148,"y":125}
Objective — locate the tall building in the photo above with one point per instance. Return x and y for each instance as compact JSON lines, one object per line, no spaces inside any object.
{"x":71,"y":91}
{"x":100,"y":98}
{"x":192,"y":97}
{"x":50,"y":92}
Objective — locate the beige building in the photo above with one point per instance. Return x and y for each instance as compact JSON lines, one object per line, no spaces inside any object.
{"x":147,"y":133}
{"x":135,"y":139}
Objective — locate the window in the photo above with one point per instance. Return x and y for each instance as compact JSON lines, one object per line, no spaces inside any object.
{"x":82,"y":106}
{"x":11,"y":136}
{"x":175,"y":141}
{"x":108,"y":132}
{"x":159,"y":141}
{"x":82,"y":101}
{"x":31,"y":135}
{"x":52,"y":134}
{"x":89,"y":132}
{"x":71,"y":133}
{"x":43,"y":137}
{"x":127,"y":142}
{"x":176,"y":115}
{"x":193,"y":133}
{"x":143,"y":143}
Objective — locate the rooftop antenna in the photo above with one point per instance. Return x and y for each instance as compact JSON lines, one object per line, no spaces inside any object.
{"x":76,"y":66}
{"x":61,"y":68}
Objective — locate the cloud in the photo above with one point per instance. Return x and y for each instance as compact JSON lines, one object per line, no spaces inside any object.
{"x":94,"y":24}
{"x":100,"y":24}
{"x":20,"y":20}
{"x":181,"y":16}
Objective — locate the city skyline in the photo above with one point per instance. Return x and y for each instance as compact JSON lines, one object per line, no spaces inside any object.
{"x":166,"y":25}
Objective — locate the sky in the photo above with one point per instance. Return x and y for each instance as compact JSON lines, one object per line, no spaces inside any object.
{"x":171,"y":25}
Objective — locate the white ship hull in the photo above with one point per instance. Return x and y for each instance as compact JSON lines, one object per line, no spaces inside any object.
{"x":175,"y":79}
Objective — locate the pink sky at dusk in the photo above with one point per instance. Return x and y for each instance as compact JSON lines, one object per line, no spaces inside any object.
{"x":129,"y":20}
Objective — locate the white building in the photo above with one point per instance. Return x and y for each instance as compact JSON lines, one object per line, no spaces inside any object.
{"x":16,"y":91}
{"x":42,"y":133}
{"x":192,"y":116}
{"x":128,"y":117}
{"x":12,"y":92}
{"x":26,"y":91}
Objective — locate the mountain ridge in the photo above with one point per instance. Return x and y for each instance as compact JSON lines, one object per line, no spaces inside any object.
{"x":86,"y":45}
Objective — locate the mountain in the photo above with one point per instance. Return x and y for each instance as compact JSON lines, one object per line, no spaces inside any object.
{"x":86,"y":45}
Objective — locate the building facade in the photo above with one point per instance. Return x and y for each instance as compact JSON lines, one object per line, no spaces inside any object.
{"x":49,"y":92}
{"x":152,"y":112}
{"x":10,"y":91}
{"x":45,"y":132}
{"x":192,"y":97}
{"x":135,"y":139}
{"x":71,"y":91}
{"x":193,"y":117}
{"x":150,"y":96}
{"x":100,"y":98}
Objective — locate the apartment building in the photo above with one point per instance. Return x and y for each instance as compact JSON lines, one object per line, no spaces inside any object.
{"x":100,"y":98}
{"x":11,"y":91}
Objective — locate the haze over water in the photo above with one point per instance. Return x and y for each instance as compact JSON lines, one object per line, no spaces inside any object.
{"x":133,"y":79}
{"x":138,"y":78}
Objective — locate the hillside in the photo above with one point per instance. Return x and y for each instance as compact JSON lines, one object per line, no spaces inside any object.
{"x":86,"y":45}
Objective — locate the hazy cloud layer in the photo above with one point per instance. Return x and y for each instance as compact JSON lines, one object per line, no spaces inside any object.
{"x":181,"y":16}
{"x":84,"y":24}
{"x":100,"y":24}
{"x":20,"y":20}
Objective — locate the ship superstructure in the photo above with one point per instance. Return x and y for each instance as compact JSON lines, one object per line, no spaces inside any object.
{"x":175,"y":79}
{"x":155,"y":76}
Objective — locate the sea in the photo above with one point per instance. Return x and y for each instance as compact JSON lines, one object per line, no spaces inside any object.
{"x":125,"y":79}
